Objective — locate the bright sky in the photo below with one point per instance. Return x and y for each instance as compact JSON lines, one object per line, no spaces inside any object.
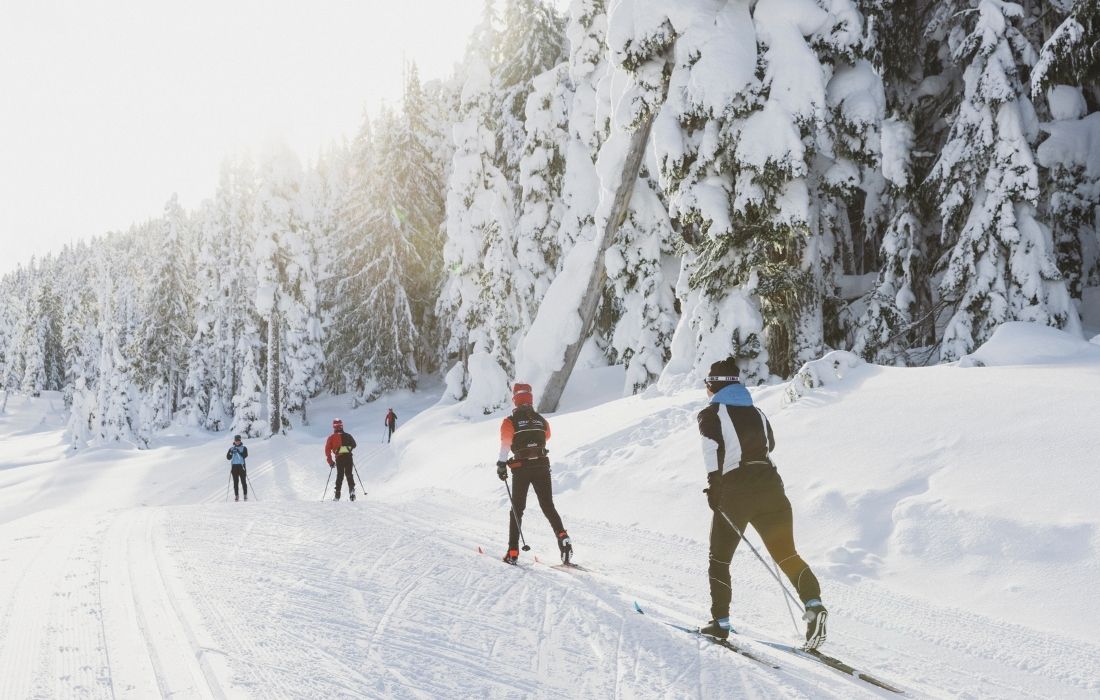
{"x":107,"y":107}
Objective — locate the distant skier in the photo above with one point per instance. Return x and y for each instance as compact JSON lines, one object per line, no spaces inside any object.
{"x":237,"y":455}
{"x":391,"y":423}
{"x":524,"y":434}
{"x":338,"y":450}
{"x":744,"y":485}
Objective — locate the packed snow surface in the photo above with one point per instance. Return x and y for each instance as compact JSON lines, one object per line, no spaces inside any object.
{"x":949,"y":511}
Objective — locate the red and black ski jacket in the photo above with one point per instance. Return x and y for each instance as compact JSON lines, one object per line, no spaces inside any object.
{"x":524,"y":434}
{"x":338,"y":448}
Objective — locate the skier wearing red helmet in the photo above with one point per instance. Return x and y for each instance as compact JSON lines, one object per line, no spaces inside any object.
{"x":338,"y":450}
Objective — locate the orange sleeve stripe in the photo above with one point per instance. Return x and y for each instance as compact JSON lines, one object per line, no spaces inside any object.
{"x":547,"y":429}
{"x":507,"y":432}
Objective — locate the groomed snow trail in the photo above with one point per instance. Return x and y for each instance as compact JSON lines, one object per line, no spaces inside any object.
{"x":126,"y":574}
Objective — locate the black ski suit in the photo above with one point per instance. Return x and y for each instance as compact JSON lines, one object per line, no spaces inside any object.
{"x":745,"y":485}
{"x":338,"y":449}
{"x":524,"y":434}
{"x":391,"y":425}
{"x":239,"y":469}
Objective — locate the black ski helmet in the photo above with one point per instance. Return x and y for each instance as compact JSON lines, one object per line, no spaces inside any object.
{"x":236,"y":438}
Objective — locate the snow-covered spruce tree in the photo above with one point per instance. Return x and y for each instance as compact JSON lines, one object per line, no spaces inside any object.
{"x":248,"y":396}
{"x":326,"y":187}
{"x":531,"y":41}
{"x":480,"y":295}
{"x":202,"y":394}
{"x":759,"y":151}
{"x":589,"y":118}
{"x":1001,"y":265}
{"x":542,"y":168}
{"x":159,"y":344}
{"x":345,"y":340}
{"x":386,"y":355}
{"x":1066,"y":79}
{"x":80,"y":342}
{"x":1070,"y":156}
{"x":642,"y":303}
{"x":115,"y":418}
{"x":1071,"y":54}
{"x":416,"y":172}
{"x":35,"y":331}
{"x":286,"y":290}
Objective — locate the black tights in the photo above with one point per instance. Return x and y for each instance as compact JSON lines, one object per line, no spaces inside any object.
{"x":344,"y":469}
{"x":769,"y":512}
{"x":240,"y":476}
{"x":539,"y":477}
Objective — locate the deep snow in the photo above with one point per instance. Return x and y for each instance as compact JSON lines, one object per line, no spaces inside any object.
{"x":949,"y":511}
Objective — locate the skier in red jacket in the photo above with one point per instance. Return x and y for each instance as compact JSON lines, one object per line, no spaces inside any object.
{"x":338,"y":449}
{"x":524,"y":434}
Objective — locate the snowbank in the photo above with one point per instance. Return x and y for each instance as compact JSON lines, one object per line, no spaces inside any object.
{"x":1022,"y":343}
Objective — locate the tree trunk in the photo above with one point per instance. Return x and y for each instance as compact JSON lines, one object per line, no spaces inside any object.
{"x":274,"y":405}
{"x":551,"y":393}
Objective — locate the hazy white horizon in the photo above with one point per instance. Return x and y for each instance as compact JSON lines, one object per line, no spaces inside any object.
{"x":107,"y":108}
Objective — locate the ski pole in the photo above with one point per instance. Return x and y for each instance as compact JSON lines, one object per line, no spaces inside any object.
{"x":754,"y":551}
{"x":227,"y":487}
{"x":250,"y":486}
{"x":359,"y":477}
{"x":515,"y":517}
{"x":788,"y":602}
{"x":326,"y":483}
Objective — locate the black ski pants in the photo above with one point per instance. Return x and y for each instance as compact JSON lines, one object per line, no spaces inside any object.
{"x":344,"y":468}
{"x":389,"y":432}
{"x":522,"y":478}
{"x":767,"y":509}
{"x":240,"y":476}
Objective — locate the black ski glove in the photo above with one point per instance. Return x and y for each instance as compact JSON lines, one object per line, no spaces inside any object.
{"x":714,"y":491}
{"x":502,"y":470}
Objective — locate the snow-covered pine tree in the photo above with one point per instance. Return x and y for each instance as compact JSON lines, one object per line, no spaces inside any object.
{"x":35,"y":331}
{"x":248,"y":395}
{"x":327,"y":187}
{"x":417,"y":174}
{"x":1070,"y":156}
{"x":80,"y":342}
{"x":202,"y":398}
{"x":1071,"y":54}
{"x":115,"y":418}
{"x":286,"y":296}
{"x":642,"y":303}
{"x":531,"y":42}
{"x":766,"y":146}
{"x":479,"y":296}
{"x":303,"y":341}
{"x":345,"y":339}
{"x":1001,"y":265}
{"x":589,"y":114}
{"x":239,"y":382}
{"x":158,"y":347}
{"x":386,"y":357}
{"x":541,"y":172}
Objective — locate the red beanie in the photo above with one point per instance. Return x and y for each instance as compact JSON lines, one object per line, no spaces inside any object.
{"x":521,"y":395}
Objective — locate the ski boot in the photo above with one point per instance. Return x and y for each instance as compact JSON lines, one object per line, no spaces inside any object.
{"x":336,"y":497}
{"x":351,"y":496}
{"x":718,"y":628}
{"x":246,"y":497}
{"x":815,"y":616}
{"x":511,"y":557}
{"x":565,"y":547}
{"x":236,"y":498}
